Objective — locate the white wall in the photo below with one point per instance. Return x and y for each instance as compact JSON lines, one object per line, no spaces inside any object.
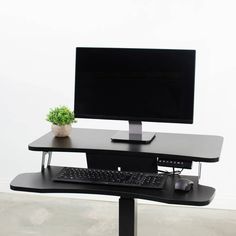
{"x":37,"y":59}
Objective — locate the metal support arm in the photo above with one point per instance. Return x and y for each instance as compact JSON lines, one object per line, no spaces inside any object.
{"x":199,"y":170}
{"x":44,"y":160}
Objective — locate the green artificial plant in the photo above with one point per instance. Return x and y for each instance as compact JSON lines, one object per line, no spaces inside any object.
{"x":61,"y":116}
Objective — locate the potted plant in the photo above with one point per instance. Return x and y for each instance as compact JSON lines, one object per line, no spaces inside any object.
{"x":61,"y":118}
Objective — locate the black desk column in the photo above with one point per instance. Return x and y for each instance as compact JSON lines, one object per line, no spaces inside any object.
{"x":127,"y":217}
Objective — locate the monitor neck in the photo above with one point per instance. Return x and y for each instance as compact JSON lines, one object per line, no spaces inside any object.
{"x":135,"y":127}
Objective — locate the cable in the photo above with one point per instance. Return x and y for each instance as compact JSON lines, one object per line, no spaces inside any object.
{"x":174,"y":172}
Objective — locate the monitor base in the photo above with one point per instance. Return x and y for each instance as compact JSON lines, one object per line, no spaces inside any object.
{"x":126,"y":137}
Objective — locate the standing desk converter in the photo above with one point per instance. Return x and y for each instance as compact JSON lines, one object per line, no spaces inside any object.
{"x":104,"y":154}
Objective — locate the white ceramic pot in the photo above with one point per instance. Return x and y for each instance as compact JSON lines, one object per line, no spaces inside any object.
{"x":61,"y":131}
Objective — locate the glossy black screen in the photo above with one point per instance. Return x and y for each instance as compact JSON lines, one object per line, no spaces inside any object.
{"x":135,"y":84}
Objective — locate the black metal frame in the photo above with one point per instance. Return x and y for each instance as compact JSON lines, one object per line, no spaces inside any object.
{"x":127,"y":217}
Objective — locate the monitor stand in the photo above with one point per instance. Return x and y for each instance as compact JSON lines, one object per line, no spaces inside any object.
{"x":134,"y":135}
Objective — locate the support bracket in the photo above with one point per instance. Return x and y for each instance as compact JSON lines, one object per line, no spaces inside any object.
{"x":199,"y":170}
{"x":49,"y":154}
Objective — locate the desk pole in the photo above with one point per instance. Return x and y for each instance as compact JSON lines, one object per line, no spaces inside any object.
{"x":127,"y":217}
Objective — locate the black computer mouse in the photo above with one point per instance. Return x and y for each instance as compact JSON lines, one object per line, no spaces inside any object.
{"x":183,"y":184}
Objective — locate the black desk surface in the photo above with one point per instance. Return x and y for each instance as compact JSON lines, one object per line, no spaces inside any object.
{"x":41,"y":182}
{"x":203,"y":148}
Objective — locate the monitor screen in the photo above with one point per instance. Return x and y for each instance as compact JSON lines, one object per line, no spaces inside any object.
{"x":135,"y":84}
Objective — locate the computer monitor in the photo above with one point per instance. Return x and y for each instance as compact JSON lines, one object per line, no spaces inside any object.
{"x":135,"y":85}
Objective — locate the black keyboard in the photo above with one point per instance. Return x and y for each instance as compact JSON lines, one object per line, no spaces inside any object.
{"x":111,"y":177}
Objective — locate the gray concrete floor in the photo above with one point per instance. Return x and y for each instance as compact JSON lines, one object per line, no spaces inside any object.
{"x":26,"y":214}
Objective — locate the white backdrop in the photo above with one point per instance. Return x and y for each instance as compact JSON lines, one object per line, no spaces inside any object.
{"x":37,"y":64}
